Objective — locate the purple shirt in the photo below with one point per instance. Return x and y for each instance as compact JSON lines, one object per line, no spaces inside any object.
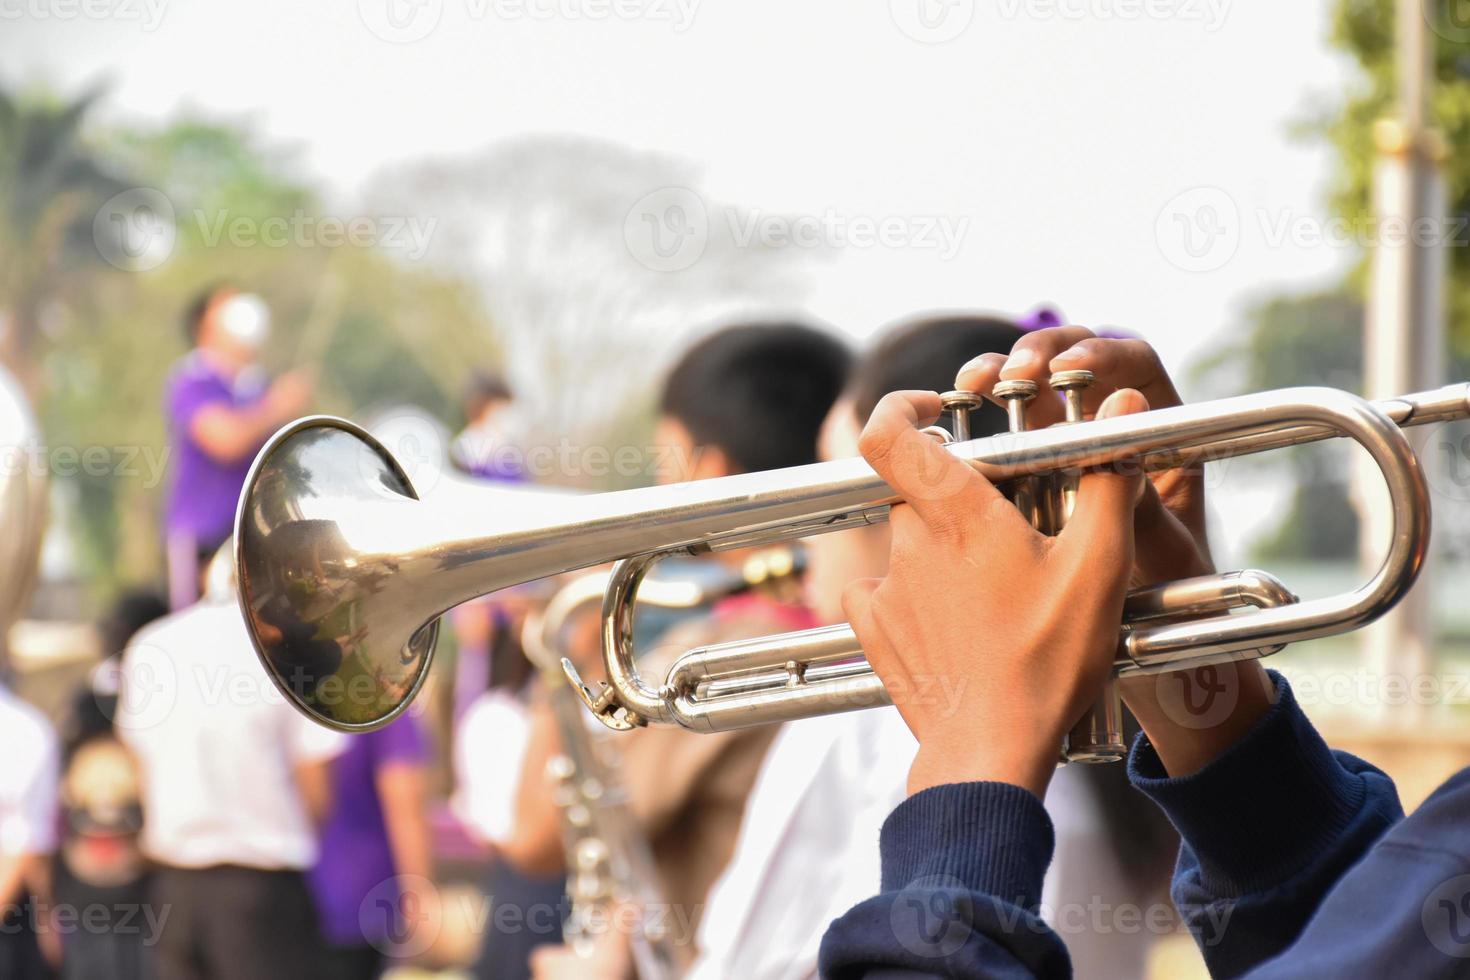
{"x":203,"y":492}
{"x":355,"y":864}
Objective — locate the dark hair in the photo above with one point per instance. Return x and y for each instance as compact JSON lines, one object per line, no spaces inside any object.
{"x":482,"y":389}
{"x":94,"y":707}
{"x":925,"y":355}
{"x":758,"y":392}
{"x":198,"y":306}
{"x":130,"y":612}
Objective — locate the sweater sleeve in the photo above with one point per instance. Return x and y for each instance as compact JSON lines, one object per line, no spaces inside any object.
{"x":1268,"y":828}
{"x":962,"y":867}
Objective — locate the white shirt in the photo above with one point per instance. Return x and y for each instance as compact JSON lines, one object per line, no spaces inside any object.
{"x":489,"y":750}
{"x":217,"y":745}
{"x":808,"y":850}
{"x":808,"y":845}
{"x":28,"y":779}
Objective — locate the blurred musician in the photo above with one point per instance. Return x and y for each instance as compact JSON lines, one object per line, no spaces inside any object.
{"x":234,"y":781}
{"x":28,"y":794}
{"x":805,"y":853}
{"x":746,"y":398}
{"x":100,"y":863}
{"x":220,"y":408}
{"x":374,"y":847}
{"x":487,"y":447}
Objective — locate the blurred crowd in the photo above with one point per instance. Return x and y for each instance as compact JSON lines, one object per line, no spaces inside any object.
{"x":184,"y":820}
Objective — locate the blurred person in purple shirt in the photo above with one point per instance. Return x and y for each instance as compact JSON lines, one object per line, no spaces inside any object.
{"x":487,"y":447}
{"x":220,"y":408}
{"x":371,"y":882}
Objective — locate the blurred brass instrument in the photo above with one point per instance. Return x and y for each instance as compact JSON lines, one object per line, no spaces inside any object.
{"x":608,"y":859}
{"x":22,"y":506}
{"x":343,"y":574}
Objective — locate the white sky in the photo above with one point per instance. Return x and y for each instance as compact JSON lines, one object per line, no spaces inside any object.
{"x":1060,"y":130}
{"x":1058,"y":134}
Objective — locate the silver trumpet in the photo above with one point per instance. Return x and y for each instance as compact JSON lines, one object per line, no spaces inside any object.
{"x":343,"y":573}
{"x":608,"y":859}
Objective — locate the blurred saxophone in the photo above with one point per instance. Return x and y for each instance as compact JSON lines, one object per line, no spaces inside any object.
{"x":608,"y":859}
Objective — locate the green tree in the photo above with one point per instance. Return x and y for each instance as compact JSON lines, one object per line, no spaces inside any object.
{"x":380,"y":328}
{"x":52,"y":182}
{"x":1365,"y":30}
{"x":1298,"y":340}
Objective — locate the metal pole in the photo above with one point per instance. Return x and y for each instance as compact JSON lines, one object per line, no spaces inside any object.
{"x":1403,"y":344}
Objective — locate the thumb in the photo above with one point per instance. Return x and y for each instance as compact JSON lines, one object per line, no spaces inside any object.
{"x":1103,"y":515}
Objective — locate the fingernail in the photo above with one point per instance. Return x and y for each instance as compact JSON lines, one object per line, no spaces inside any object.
{"x":977,"y":363}
{"x":1070,"y":354}
{"x":1020,"y":360}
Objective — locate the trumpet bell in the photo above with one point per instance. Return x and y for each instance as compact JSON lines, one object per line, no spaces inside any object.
{"x":317,"y":567}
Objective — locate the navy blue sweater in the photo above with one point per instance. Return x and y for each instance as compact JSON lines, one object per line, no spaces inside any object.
{"x":1297,"y":861}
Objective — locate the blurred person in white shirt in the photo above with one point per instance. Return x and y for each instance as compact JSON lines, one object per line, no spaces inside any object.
{"x":28,"y":794}
{"x":234,"y":780}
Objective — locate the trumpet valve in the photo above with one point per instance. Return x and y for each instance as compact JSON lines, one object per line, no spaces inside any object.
{"x":959,"y":405}
{"x":1072,"y":384}
{"x":1016,"y":395}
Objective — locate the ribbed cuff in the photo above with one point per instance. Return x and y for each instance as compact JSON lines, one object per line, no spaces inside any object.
{"x":1264,"y":809}
{"x":992,"y":838}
